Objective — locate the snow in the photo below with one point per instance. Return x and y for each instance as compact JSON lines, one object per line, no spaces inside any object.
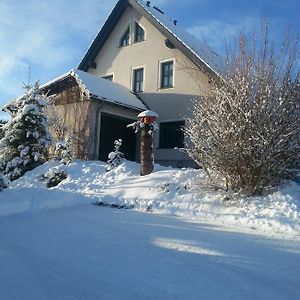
{"x":148,"y":113}
{"x":88,"y":252}
{"x":108,"y":90}
{"x":178,"y":242}
{"x":179,"y":192}
{"x":102,"y":89}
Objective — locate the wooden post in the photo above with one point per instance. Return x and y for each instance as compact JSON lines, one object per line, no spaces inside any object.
{"x":146,"y":150}
{"x":146,"y":124}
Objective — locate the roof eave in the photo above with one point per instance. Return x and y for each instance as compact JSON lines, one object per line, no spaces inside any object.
{"x":113,"y":102}
{"x":103,"y":35}
{"x":113,"y":19}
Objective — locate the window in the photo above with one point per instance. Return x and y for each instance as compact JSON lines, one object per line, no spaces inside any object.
{"x":139,"y":34}
{"x":166,"y":75}
{"x":124,"y":41}
{"x":138,"y":80}
{"x":171,"y":135}
{"x":108,"y":77}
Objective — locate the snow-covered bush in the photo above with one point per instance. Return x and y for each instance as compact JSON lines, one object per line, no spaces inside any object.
{"x":246,"y":133}
{"x":115,"y":157}
{"x":26,"y":139}
{"x":54,"y":178}
{"x":63,"y":151}
{"x":4,"y":182}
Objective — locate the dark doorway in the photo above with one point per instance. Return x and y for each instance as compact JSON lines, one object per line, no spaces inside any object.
{"x":113,"y":128}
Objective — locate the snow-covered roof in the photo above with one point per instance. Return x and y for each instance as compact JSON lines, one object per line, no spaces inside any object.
{"x":200,"y":49}
{"x":197,"y":51}
{"x":103,"y":89}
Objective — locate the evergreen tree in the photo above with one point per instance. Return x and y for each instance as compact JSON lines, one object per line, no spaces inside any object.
{"x":115,"y":157}
{"x":2,"y":122}
{"x":26,"y":139}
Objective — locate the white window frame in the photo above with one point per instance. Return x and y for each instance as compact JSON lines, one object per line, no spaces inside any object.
{"x":133,"y":26}
{"x":132,"y":77}
{"x":122,"y":35}
{"x":173,"y":60}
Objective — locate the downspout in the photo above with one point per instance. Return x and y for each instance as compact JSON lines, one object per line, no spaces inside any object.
{"x":97,"y":131}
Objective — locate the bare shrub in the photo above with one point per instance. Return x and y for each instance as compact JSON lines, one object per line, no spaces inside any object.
{"x":70,"y":124}
{"x":246,"y":133}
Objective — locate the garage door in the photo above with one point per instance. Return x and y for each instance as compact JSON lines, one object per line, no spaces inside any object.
{"x":113,"y":128}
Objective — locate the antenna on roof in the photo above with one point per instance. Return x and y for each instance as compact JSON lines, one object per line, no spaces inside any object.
{"x":148,"y":3}
{"x":175,"y":22}
{"x":158,"y":10}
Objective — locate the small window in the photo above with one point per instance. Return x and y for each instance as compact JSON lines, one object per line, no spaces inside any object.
{"x":108,"y":77}
{"x":166,"y":75}
{"x":138,"y":80}
{"x":139,"y":34}
{"x":171,"y":135}
{"x":125,"y":38}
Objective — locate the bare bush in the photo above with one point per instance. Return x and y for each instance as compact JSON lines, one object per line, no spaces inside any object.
{"x":246,"y":133}
{"x":70,"y":124}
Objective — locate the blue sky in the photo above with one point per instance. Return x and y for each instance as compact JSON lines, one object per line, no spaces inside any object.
{"x":51,"y":37}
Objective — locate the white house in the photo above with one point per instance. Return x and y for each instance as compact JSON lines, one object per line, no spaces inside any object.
{"x":139,"y":60}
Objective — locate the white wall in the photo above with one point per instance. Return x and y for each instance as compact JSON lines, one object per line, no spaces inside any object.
{"x":171,"y":104}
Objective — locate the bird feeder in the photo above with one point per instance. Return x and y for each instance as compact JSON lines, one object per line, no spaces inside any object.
{"x":147,"y":118}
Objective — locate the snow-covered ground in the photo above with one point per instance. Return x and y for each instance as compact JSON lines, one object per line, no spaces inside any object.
{"x":87,"y":252}
{"x":180,"y":192}
{"x":178,"y":241}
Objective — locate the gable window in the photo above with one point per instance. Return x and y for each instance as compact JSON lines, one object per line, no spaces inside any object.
{"x":138,"y":80}
{"x":124,"y":41}
{"x":139,"y":33}
{"x":171,"y":135}
{"x":108,"y":77}
{"x":166,"y":75}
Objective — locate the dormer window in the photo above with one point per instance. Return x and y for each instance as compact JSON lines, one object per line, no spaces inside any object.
{"x":139,"y":33}
{"x":108,"y":77}
{"x":124,"y":41}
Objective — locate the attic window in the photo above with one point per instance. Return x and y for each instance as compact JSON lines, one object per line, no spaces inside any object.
{"x":139,"y":33}
{"x":124,"y":41}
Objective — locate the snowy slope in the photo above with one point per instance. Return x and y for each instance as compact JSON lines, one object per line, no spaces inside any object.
{"x":180,"y":192}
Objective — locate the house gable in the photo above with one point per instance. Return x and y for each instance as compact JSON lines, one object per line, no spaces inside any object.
{"x":201,"y":55}
{"x":150,"y":55}
{"x":165,"y":66}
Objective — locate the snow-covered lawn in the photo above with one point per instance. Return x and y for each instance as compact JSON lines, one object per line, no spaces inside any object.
{"x":178,"y":241}
{"x":180,"y":192}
